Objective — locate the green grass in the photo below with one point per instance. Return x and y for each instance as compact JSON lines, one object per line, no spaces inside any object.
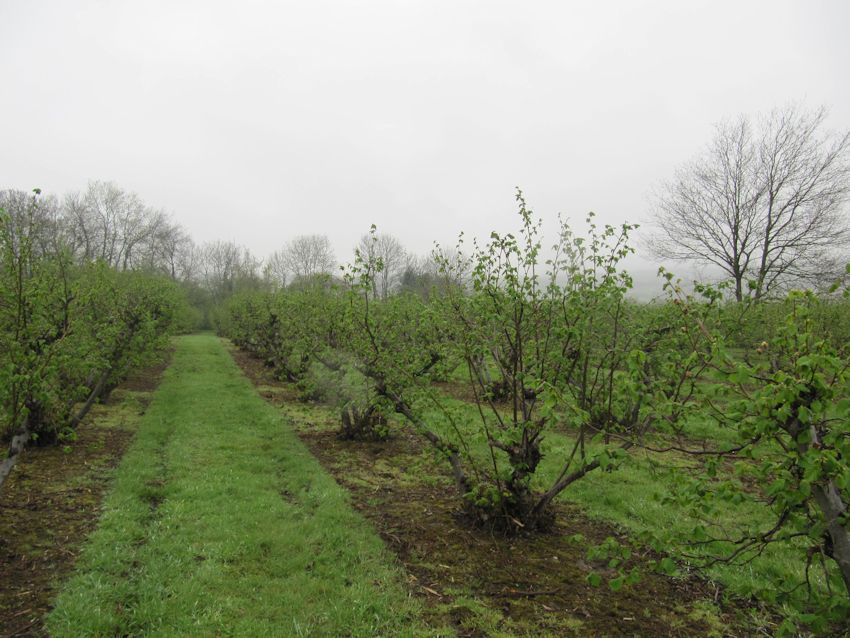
{"x":220,"y":523}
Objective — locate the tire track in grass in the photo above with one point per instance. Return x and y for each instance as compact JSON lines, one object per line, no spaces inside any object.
{"x":221,"y":523}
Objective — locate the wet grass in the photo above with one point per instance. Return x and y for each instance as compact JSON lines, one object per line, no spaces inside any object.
{"x":221,"y":523}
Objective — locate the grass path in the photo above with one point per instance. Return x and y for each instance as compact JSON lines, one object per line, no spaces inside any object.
{"x":220,"y":523}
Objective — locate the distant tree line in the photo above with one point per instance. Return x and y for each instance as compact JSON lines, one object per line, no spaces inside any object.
{"x":109,"y":224}
{"x":764,"y":204}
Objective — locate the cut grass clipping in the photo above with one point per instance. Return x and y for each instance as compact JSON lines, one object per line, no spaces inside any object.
{"x":221,"y":523}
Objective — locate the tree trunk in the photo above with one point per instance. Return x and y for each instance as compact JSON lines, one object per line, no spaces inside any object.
{"x":16,"y":446}
{"x":447,"y":449}
{"x":93,"y":396}
{"x":544,"y":501}
{"x":33,"y":424}
{"x":829,"y":500}
{"x":365,"y":425}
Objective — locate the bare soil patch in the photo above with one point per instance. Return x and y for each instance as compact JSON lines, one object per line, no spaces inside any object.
{"x":51,"y":502}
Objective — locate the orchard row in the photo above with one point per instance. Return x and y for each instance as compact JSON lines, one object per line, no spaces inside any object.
{"x":70,"y":331}
{"x":561,"y":369}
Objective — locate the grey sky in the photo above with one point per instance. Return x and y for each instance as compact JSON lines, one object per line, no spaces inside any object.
{"x":258,"y":121}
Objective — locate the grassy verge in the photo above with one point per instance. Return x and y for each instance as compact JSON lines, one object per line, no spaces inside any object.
{"x":221,"y":523}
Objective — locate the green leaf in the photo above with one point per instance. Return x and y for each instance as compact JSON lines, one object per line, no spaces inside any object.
{"x":667,"y":566}
{"x":616,"y":584}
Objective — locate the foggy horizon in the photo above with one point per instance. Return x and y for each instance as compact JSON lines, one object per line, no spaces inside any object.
{"x":259,"y":122}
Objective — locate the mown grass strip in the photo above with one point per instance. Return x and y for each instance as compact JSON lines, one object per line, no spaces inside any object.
{"x":221,"y":523}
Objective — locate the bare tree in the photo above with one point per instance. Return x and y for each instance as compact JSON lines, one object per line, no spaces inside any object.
{"x":106,"y":222}
{"x":172,"y":251}
{"x":390,"y":254}
{"x":764,"y":203}
{"x":276,"y":270}
{"x":303,"y":257}
{"x":227,"y":268}
{"x":36,"y":217}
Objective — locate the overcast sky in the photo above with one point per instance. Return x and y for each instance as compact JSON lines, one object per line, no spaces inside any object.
{"x":259,"y":121}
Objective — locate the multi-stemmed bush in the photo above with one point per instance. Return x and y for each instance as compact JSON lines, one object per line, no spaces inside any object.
{"x":544,"y":344}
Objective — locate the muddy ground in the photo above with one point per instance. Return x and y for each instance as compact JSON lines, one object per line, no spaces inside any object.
{"x":51,"y":502}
